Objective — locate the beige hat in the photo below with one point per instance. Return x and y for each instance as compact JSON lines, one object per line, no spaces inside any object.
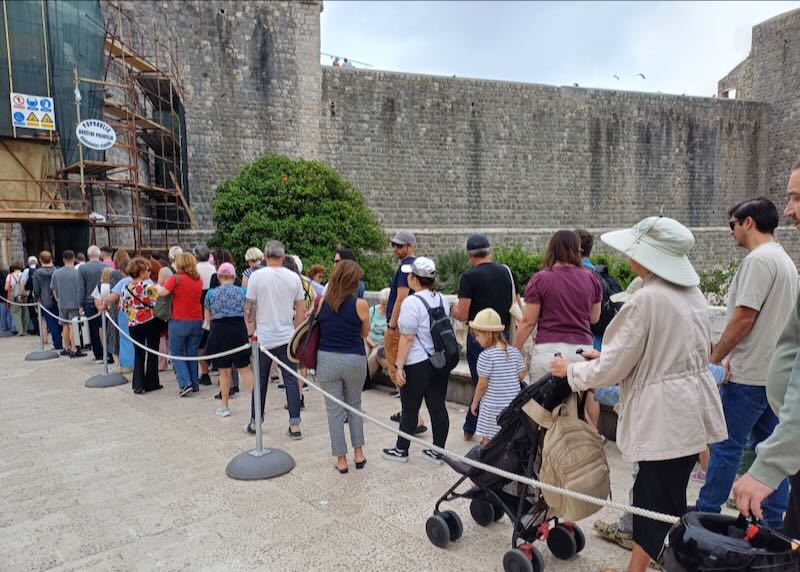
{"x":487,"y":320}
{"x":660,"y":244}
{"x":624,"y":296}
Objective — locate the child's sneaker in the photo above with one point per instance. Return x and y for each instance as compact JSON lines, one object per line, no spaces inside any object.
{"x":698,"y":475}
{"x":223,"y":412}
{"x":433,"y":456}
{"x":395,"y":454}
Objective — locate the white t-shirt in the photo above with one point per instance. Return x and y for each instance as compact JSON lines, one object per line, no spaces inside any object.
{"x":415,"y":321}
{"x":767,"y":282}
{"x":275,"y":290}
{"x":206,"y":270}
{"x":101,"y":291}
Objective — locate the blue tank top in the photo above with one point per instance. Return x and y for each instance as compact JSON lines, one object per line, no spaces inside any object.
{"x":340,"y":332}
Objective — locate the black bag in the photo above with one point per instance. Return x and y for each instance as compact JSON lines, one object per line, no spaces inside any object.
{"x":446,"y":350}
{"x":608,"y":309}
{"x":29,"y":281}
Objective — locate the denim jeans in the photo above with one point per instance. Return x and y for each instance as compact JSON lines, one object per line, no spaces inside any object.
{"x":474,"y":350}
{"x":54,"y":327}
{"x":746,"y":409}
{"x":184,"y":340}
{"x":6,"y":323}
{"x":289,"y":382}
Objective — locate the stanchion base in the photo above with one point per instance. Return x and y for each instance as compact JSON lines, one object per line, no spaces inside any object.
{"x":41,"y":355}
{"x":5,"y":334}
{"x":252,"y":466}
{"x":106,"y":380}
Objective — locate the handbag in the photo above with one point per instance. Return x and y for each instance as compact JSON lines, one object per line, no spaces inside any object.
{"x":163,"y":307}
{"x":307,"y":345}
{"x":515,"y":310}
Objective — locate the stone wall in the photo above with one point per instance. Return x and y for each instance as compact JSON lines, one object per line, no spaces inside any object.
{"x":434,"y":152}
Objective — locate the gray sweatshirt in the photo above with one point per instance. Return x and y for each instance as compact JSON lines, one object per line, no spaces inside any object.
{"x":778,"y":456}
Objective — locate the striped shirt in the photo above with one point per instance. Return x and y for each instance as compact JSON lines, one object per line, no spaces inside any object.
{"x":503,"y":373}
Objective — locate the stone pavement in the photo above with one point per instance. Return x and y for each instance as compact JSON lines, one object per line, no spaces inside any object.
{"x":102,"y":479}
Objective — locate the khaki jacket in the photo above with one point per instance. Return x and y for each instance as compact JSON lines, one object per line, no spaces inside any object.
{"x":657,"y":349}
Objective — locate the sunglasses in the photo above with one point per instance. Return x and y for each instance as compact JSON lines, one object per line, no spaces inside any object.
{"x":337,"y":260}
{"x":733,"y":223}
{"x":396,"y":245}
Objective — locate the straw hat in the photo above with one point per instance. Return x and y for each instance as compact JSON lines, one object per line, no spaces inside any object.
{"x":660,"y":244}
{"x":487,"y":320}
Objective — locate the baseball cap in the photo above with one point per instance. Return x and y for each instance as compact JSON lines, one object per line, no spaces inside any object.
{"x":226,"y":269}
{"x":478,"y":242}
{"x":404,"y":237}
{"x":422,"y":267}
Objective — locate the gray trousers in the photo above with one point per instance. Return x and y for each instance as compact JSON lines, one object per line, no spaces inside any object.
{"x":625,"y":523}
{"x":342,"y":375}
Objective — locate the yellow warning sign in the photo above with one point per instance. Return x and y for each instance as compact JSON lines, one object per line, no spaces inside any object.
{"x":31,"y":120}
{"x":46,"y":120}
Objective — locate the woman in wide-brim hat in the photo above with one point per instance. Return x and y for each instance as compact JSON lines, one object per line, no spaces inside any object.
{"x":657,"y":349}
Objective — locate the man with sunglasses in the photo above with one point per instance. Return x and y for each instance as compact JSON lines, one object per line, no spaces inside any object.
{"x":761,"y":296}
{"x":403,"y":245}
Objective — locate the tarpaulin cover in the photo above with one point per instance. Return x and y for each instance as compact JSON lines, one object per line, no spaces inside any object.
{"x":23,"y":160}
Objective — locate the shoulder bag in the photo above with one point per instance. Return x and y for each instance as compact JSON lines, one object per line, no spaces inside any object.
{"x":163,"y":307}
{"x":515,"y":310}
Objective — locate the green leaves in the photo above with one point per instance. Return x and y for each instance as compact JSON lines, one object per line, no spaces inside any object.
{"x":305,"y":204}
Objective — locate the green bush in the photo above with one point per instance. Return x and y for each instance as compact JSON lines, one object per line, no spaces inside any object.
{"x":522,"y":263}
{"x":449,"y":268}
{"x":715,"y":282}
{"x":305,"y":204}
{"x":617,"y":266}
{"x":379,"y":270}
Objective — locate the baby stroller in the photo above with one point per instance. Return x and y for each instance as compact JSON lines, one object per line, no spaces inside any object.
{"x":516,"y":448}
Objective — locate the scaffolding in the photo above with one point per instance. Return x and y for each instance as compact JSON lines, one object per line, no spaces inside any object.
{"x":133,"y":195}
{"x":137,"y":193}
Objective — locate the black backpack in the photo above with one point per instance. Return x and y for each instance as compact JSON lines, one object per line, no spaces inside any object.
{"x":608,"y":309}
{"x":446,"y":350}
{"x":29,"y":281}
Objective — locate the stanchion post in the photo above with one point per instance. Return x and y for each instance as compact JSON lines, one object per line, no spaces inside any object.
{"x":42,"y":354}
{"x":258,"y":463}
{"x":105,"y":379}
{"x":259,"y":415}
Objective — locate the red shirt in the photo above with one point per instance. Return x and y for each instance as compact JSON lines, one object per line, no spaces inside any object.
{"x":186,"y":297}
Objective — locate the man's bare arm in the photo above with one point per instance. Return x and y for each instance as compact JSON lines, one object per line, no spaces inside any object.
{"x":250,"y":316}
{"x":738,"y":327}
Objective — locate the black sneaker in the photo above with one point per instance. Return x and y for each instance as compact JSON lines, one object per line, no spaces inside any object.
{"x":395,"y":454}
{"x":63,"y":353}
{"x":432,"y":456}
{"x":233,"y":390}
{"x":186,"y":391}
{"x":395,"y":393}
{"x":251,"y":428}
{"x":396,"y":417}
{"x":205,"y":379}
{"x":78,"y":353}
{"x":420,"y":429}
{"x":218,"y":395}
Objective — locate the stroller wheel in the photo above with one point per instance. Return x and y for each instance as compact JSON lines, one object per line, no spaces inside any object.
{"x":562,"y":542}
{"x":438,"y":531}
{"x":580,"y":538}
{"x":482,"y":512}
{"x":453,"y":523}
{"x":498,"y":512}
{"x":516,"y":560}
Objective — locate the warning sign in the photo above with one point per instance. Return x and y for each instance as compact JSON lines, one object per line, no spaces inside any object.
{"x":32,"y":112}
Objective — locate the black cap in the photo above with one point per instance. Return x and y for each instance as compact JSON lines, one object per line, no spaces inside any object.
{"x":477,"y":242}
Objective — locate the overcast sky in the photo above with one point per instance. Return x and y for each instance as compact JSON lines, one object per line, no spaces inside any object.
{"x":680,"y":47}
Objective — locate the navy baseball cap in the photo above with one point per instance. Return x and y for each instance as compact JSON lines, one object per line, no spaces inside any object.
{"x":478,"y":242}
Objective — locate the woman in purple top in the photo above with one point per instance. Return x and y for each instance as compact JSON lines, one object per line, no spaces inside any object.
{"x":562,"y":299}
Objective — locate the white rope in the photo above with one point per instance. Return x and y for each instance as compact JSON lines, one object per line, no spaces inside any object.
{"x":178,"y":358}
{"x":667,"y":518}
{"x":4,"y":299}
{"x":63,"y":321}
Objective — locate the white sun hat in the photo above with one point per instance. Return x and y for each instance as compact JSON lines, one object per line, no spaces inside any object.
{"x":660,"y":244}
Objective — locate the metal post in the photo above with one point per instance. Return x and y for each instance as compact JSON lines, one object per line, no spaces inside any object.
{"x":105,"y":379}
{"x":258,"y":463}
{"x":42,"y":354}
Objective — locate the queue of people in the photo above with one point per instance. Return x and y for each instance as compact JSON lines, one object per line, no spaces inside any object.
{"x":655,"y":353}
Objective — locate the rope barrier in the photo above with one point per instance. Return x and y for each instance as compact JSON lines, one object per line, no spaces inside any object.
{"x":667,"y":518}
{"x":4,"y":299}
{"x":63,"y":321}
{"x":179,"y":358}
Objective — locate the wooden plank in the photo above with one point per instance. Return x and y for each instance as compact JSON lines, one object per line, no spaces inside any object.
{"x":132,"y":59}
{"x":41,"y":215}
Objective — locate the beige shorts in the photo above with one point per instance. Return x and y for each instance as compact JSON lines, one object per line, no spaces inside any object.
{"x":543,"y":354}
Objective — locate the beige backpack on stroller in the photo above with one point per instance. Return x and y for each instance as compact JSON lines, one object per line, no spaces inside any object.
{"x":573,"y":458}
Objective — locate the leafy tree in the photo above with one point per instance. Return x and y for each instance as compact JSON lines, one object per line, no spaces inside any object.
{"x":305,"y":204}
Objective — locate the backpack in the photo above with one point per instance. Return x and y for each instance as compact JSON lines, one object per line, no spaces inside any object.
{"x":29,"y":281}
{"x":446,"y":349}
{"x":572,"y":458}
{"x":17,"y":292}
{"x":608,"y":309}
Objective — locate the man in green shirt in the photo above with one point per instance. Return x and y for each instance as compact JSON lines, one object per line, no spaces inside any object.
{"x":778,"y":456}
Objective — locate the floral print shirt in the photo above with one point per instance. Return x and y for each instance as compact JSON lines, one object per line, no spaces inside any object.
{"x":137,"y":300}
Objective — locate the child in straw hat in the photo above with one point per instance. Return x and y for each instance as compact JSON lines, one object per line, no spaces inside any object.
{"x":500,"y":370}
